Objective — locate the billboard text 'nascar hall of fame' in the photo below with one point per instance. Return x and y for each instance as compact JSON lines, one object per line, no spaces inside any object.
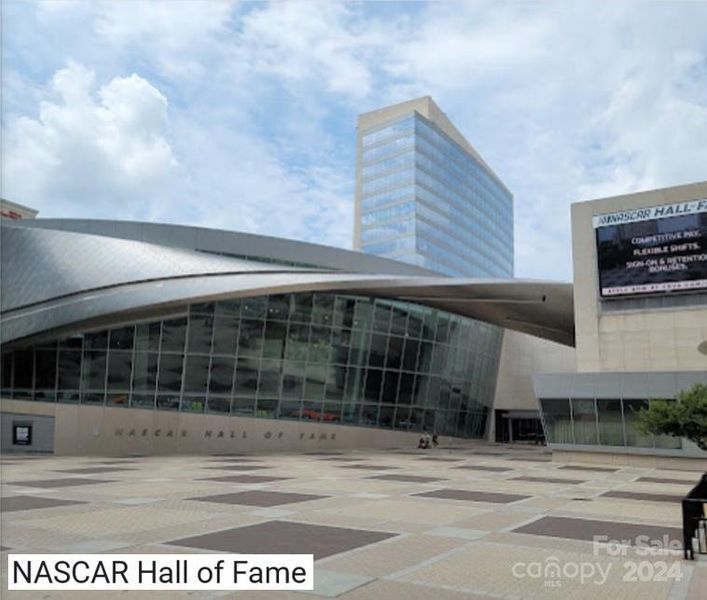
{"x":653,"y":250}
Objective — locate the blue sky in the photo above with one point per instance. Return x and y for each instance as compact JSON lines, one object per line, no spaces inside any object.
{"x":242,"y":115}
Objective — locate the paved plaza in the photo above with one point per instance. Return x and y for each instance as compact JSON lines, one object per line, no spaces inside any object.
{"x":477,"y":521}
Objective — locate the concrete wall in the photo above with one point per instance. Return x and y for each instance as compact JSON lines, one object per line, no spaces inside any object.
{"x":523,"y":356}
{"x":108,"y":431}
{"x":643,"y":339}
{"x":42,"y":432}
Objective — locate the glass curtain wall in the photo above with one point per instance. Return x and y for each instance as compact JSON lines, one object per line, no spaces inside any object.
{"x":604,"y":421}
{"x":317,"y":357}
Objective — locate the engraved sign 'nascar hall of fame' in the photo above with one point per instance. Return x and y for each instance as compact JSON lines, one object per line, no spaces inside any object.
{"x":652,"y":250}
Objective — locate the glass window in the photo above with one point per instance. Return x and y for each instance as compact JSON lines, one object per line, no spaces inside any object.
{"x":45,"y":370}
{"x":193,"y":404}
{"x":24,"y":369}
{"x":558,"y":424}
{"x":74,"y":342}
{"x":96,"y":340}
{"x":121,"y":399}
{"x":219,"y":404}
{"x":69,"y":369}
{"x":230,"y":308}
{"x":204,"y":308}
{"x":274,"y":341}
{"x":147,"y":337}
{"x":369,"y":415}
{"x":243,"y":406}
{"x":142,"y":401}
{"x":291,"y":409}
{"x":92,"y":398}
{"x":633,"y":436}
{"x":374,"y":379}
{"x":94,"y":370}
{"x":611,"y":425}
{"x":221,"y":378}
{"x":269,"y":384}
{"x":278,"y":308}
{"x":174,"y":332}
{"x":250,"y":342}
{"x":395,"y":350}
{"x":246,"y":377}
{"x":323,"y":310}
{"x":585,"y":421}
{"x":168,"y":401}
{"x":336,"y":378}
{"x":119,"y":370}
{"x":254,"y":308}
{"x":319,"y":344}
{"x":7,"y":371}
{"x":293,"y":380}
{"x":266,"y":408}
{"x":379,"y":347}
{"x":145,"y":372}
{"x":122,"y":338}
{"x":196,"y":374}
{"x":302,"y":308}
{"x":170,"y":372}
{"x":315,"y":382}
{"x":225,"y":336}
{"x":200,"y":332}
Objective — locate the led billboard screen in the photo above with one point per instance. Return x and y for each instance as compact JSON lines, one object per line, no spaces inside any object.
{"x":652,"y":250}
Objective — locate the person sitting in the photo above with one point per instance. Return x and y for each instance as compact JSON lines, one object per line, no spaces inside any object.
{"x":435,"y":440}
{"x":424,"y":443}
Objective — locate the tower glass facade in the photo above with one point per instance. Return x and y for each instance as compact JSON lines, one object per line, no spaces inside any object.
{"x":427,"y":201}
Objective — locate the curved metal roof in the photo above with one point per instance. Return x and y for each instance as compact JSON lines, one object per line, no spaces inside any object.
{"x":56,"y":281}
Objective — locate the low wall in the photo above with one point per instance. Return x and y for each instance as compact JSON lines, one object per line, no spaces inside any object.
{"x":109,"y":431}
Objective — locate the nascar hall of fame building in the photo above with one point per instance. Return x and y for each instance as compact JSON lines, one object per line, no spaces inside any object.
{"x":136,"y":338}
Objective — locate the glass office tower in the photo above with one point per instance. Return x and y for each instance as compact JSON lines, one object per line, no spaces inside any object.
{"x":424,"y":196}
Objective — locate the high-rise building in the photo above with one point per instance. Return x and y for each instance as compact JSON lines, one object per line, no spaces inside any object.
{"x":424,"y":195}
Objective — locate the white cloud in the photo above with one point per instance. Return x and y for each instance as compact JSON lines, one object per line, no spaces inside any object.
{"x":93,"y":148}
{"x":565,"y":100}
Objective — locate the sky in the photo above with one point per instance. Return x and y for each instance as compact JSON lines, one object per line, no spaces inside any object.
{"x":242,"y":116}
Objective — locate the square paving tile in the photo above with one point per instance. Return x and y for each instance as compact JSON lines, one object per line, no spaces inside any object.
{"x":93,"y":470}
{"x":548,"y":480}
{"x":259,"y":498}
{"x":412,"y":478}
{"x":667,"y":480}
{"x":484,"y":468}
{"x":239,"y":467}
{"x":589,"y":529}
{"x":369,"y":467}
{"x":644,"y":496}
{"x":585,"y":468}
{"x":57,"y":483}
{"x":469,"y":496}
{"x":285,"y":537}
{"x":15,"y":503}
{"x":245,"y":479}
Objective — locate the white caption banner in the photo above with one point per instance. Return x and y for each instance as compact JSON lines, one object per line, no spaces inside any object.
{"x":160,"y":572}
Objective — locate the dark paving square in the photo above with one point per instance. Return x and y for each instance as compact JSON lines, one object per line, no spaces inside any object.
{"x":234,"y":460}
{"x":15,"y":503}
{"x":323,"y":453}
{"x":92,"y":470}
{"x":583,"y":468}
{"x":484,"y":468}
{"x":469,"y":496}
{"x":369,"y":467}
{"x":285,"y":537}
{"x":441,"y":459}
{"x":259,"y":498}
{"x":548,"y":480}
{"x":245,"y":479}
{"x":411,"y":478}
{"x":239,"y":467}
{"x":643,"y":496}
{"x":589,"y":529}
{"x":57,"y":483}
{"x":665,"y":480}
{"x":528,"y":459}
